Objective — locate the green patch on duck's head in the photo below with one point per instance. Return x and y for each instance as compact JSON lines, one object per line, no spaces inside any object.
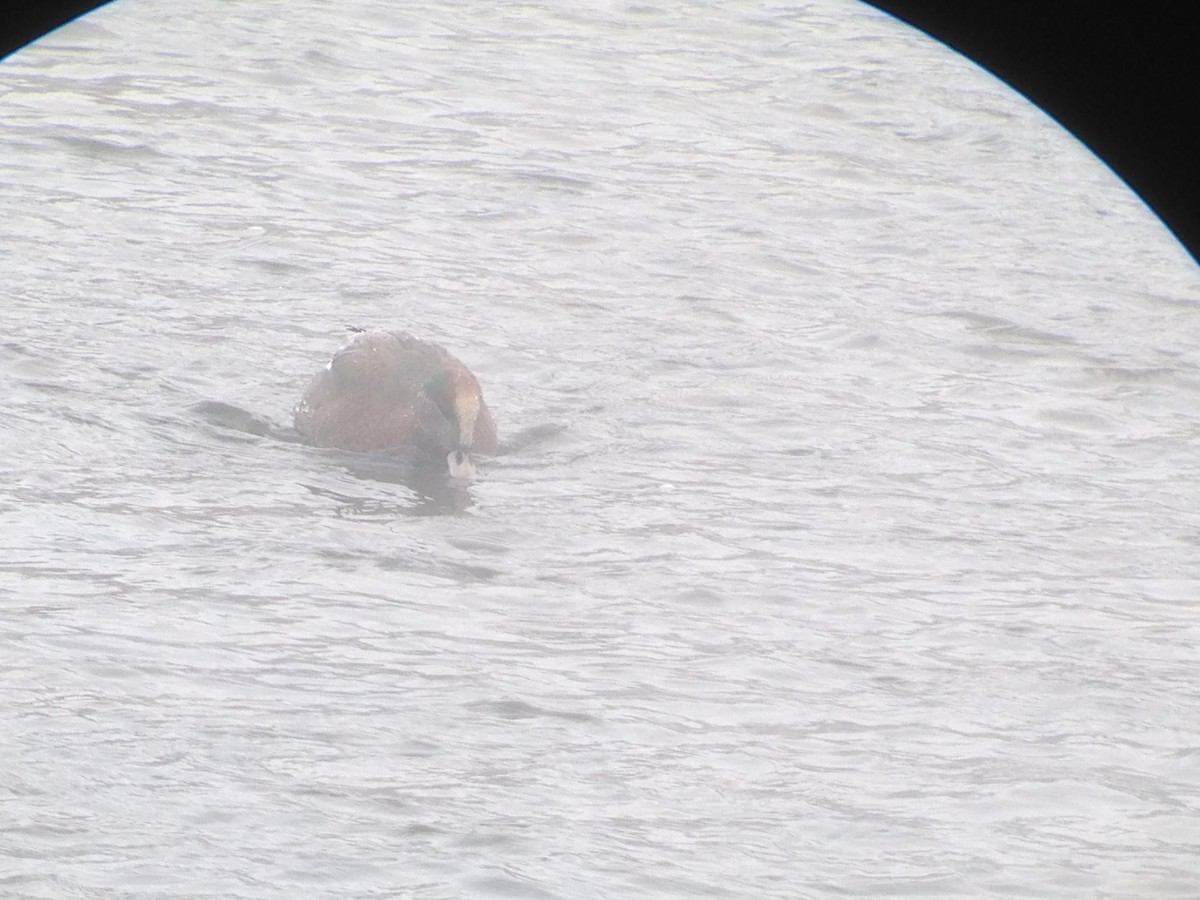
{"x":440,"y":389}
{"x":457,"y":399}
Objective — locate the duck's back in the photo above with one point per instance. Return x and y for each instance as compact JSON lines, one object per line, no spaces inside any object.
{"x":365,"y":398}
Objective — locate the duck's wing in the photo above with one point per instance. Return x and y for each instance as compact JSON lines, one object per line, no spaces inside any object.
{"x":363,"y":400}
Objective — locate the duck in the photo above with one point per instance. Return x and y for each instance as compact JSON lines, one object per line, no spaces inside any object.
{"x":389,"y":389}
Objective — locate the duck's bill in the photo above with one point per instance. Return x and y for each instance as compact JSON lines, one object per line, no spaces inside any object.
{"x":460,"y":465}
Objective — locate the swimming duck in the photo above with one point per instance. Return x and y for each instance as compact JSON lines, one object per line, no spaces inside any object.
{"x":389,"y":389}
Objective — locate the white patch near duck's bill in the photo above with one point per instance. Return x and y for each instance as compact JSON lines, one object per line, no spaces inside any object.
{"x":460,"y":465}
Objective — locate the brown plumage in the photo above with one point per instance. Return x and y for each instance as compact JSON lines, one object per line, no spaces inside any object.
{"x":389,"y":389}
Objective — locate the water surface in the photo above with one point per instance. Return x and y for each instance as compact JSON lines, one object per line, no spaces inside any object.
{"x":849,"y":548}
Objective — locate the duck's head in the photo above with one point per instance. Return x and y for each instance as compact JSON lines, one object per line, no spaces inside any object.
{"x":447,"y":409}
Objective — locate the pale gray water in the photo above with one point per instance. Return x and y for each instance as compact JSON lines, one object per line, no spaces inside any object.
{"x":865,"y":563}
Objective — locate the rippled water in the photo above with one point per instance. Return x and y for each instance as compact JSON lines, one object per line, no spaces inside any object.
{"x":848,"y":541}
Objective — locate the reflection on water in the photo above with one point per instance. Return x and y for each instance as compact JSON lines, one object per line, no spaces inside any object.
{"x":434,"y":491}
{"x":229,"y":418}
